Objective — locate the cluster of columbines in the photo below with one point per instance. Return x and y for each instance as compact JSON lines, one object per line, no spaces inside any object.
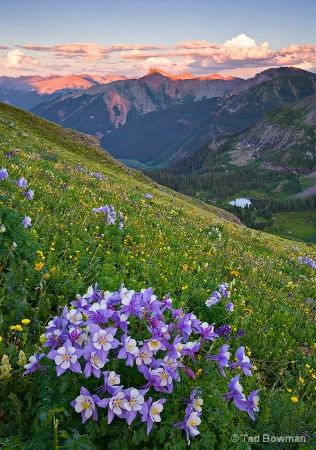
{"x":99,"y":329}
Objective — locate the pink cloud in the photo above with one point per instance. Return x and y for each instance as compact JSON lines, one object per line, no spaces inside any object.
{"x":199,"y":56}
{"x":15,"y":59}
{"x":89,"y":51}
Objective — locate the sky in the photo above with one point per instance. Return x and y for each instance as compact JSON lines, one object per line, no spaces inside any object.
{"x":128,"y":37}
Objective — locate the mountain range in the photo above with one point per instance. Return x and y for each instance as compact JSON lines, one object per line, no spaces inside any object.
{"x":158,"y":119}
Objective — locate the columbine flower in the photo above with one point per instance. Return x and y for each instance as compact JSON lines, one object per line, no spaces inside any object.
{"x":34,"y":363}
{"x":74,"y":317}
{"x":116,"y":405}
{"x":3,"y":174}
{"x":196,"y":402}
{"x":148,"y":196}
{"x":129,"y":349}
{"x":214,"y":299}
{"x":143,"y":356}
{"x":190,"y":348}
{"x":243,"y":362}
{"x":29,"y":194}
{"x":235,"y":393}
{"x":26,"y":222}
{"x":102,"y":341}
{"x":85,"y":404}
{"x":151,"y":412}
{"x":66,"y":357}
{"x":251,"y":403}
{"x":154,"y":345}
{"x":94,"y":364}
{"x":207,"y":331}
{"x":230,"y":306}
{"x":164,"y":379}
{"x":21,"y":182}
{"x":222,"y":358}
{"x":133,"y":404}
{"x":191,"y":422}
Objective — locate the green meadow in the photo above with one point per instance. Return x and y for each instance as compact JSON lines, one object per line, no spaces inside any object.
{"x":177,"y":246}
{"x":299,"y":225}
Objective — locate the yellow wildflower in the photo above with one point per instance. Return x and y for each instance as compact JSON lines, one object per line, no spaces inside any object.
{"x":38,"y":266}
{"x":25,"y":321}
{"x":294,"y":399}
{"x":301,"y":380}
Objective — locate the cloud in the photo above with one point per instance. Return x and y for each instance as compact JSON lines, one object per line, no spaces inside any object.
{"x":164,"y":64}
{"x":198,"y":56}
{"x":2,"y":47}
{"x":15,"y":59}
{"x":88,"y":51}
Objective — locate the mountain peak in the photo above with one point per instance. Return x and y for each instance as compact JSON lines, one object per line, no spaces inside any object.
{"x":161,"y":72}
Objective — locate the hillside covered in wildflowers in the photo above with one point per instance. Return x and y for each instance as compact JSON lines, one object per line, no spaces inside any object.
{"x":135,"y":317}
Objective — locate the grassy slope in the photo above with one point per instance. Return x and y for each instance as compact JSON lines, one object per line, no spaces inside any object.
{"x":165,"y":243}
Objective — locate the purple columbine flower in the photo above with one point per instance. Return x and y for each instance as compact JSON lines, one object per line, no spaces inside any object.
{"x":111,"y":382}
{"x":190,"y":423}
{"x":223,"y":288}
{"x":102,"y":341}
{"x":116,"y":405}
{"x":190,"y":348}
{"x":98,"y":313}
{"x":86,"y":403}
{"x":243,"y":362}
{"x":230,"y":307}
{"x":148,"y":196}
{"x":151,"y":412}
{"x":21,"y":182}
{"x":144,"y":356}
{"x":185,"y":326}
{"x":94,"y":365}
{"x":133,"y":403}
{"x":29,"y":194}
{"x":66,"y":357}
{"x":206,"y":331}
{"x":222,"y":358}
{"x":235,"y":393}
{"x":214,"y":299}
{"x":3,"y":174}
{"x":164,"y":380}
{"x":251,"y":403}
{"x":129,"y":349}
{"x":131,"y":303}
{"x":27,"y":221}
{"x":196,"y":402}
{"x":34,"y":364}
